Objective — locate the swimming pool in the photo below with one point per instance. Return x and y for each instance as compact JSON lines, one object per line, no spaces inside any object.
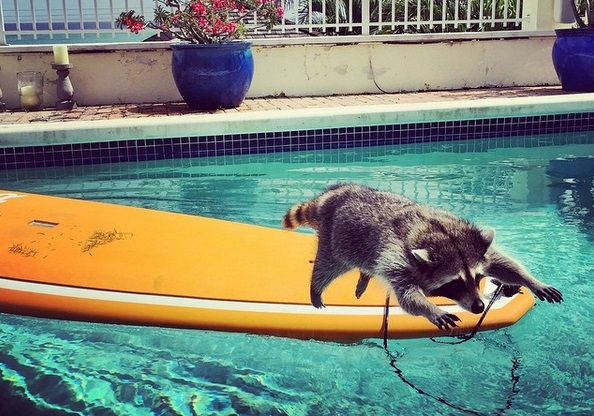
{"x":536,"y":190}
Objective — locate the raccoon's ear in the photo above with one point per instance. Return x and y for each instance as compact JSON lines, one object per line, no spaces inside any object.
{"x":421,"y":255}
{"x":488,"y":235}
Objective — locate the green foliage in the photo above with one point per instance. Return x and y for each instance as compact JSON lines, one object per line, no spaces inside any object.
{"x":583,"y":12}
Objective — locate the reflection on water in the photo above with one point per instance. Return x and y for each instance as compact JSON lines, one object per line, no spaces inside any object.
{"x":572,"y":189}
{"x":539,"y":200}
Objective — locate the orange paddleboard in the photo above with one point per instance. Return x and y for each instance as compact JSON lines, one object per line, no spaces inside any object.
{"x":81,"y":260}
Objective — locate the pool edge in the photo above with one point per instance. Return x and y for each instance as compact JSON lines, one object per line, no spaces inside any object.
{"x":48,"y":133}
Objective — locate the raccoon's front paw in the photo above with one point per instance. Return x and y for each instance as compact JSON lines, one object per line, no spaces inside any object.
{"x":445,"y":321}
{"x":550,"y":294}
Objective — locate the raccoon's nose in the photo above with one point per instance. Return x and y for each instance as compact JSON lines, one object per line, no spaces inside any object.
{"x":478,"y":306}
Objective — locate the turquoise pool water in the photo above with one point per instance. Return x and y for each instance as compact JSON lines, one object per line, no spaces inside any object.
{"x":537,"y":192}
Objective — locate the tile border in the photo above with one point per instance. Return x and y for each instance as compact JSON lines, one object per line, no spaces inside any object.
{"x":191,"y":146}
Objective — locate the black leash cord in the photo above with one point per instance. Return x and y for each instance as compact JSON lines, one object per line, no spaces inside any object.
{"x":463,"y":338}
{"x":386,"y":318}
{"x":441,"y":400}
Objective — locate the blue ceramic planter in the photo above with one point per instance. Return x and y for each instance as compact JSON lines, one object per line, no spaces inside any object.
{"x":573,"y":59}
{"x":213,"y":76}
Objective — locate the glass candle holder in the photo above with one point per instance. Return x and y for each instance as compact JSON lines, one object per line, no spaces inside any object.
{"x":30,"y":87}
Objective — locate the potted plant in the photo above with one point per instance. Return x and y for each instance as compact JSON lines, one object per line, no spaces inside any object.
{"x":212,"y":68}
{"x":573,"y":50}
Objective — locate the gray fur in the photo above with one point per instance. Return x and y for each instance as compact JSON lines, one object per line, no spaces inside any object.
{"x":420,"y":251}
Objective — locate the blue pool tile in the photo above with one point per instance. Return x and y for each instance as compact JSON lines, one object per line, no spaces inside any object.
{"x":134,"y":150}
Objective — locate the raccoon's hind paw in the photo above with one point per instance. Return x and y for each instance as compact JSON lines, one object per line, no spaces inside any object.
{"x":316,"y":301}
{"x":550,"y":294}
{"x":445,"y":321}
{"x":362,"y":284}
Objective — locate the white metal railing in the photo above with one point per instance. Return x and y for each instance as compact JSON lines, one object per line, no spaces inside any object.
{"x":54,"y":21}
{"x":400,"y":16}
{"x":45,"y":21}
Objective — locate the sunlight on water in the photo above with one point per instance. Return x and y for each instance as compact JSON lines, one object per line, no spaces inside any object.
{"x":539,"y":199}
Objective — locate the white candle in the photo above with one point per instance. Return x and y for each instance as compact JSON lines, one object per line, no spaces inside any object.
{"x":30,"y":101}
{"x":28,"y":90}
{"x":29,"y":97}
{"x":61,"y":55}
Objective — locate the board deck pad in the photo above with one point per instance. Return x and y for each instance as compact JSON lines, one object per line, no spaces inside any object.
{"x":74,"y":259}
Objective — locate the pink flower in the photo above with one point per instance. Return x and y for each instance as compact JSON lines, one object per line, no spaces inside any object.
{"x":231,"y":28}
{"x":205,"y":21}
{"x":202,"y":22}
{"x":199,"y":8}
{"x":135,"y":26}
{"x":280,"y":12}
{"x":219,"y":4}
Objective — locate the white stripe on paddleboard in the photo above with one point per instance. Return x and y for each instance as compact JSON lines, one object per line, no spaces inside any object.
{"x":196,"y":303}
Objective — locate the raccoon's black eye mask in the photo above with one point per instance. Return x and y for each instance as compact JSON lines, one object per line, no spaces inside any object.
{"x":452,"y":289}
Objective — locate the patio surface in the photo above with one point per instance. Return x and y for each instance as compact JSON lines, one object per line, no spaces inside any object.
{"x":120,"y":111}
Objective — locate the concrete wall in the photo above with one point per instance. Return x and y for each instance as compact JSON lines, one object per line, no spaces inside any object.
{"x":107,"y":74}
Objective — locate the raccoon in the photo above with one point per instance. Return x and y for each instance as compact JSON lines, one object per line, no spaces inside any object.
{"x":418,"y":250}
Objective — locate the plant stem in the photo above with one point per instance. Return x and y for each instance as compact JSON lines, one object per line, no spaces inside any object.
{"x":576,"y":14}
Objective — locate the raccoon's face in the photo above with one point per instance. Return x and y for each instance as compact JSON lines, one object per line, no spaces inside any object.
{"x":457,"y":279}
{"x":462,"y":288}
{"x":452,"y":262}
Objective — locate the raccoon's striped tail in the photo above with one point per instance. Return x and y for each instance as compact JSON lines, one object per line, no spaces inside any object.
{"x":300,"y":214}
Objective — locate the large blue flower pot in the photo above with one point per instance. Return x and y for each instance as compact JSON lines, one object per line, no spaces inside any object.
{"x":573,"y":59}
{"x":213,"y":76}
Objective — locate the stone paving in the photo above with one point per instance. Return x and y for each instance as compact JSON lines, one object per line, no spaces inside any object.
{"x":118,"y":111}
